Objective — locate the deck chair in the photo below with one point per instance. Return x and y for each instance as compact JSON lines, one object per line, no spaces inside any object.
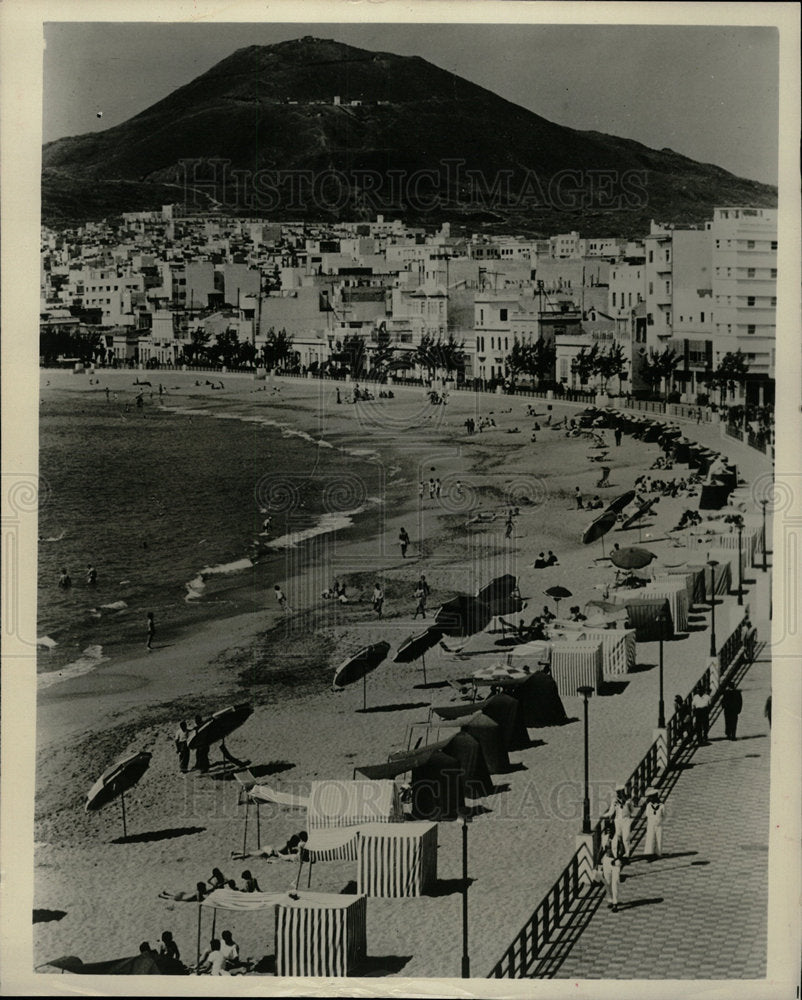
{"x":605,"y":478}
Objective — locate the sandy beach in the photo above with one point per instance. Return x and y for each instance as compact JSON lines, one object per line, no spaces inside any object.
{"x":182,"y":825}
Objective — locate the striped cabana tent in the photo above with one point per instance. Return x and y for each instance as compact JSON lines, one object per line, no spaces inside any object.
{"x":396,"y":859}
{"x":320,"y":934}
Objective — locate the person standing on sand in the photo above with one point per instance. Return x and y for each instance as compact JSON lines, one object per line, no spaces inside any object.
{"x":181,"y":737}
{"x":431,"y":489}
{"x":508,"y":527}
{"x":403,"y":541}
{"x":151,"y":632}
{"x":437,"y":488}
{"x":420,"y":491}
{"x":578,"y":498}
{"x":420,"y":597}
{"x":378,"y":598}
{"x":281,"y":598}
{"x":617,"y":433}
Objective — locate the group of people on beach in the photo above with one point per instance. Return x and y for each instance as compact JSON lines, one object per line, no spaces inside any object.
{"x":221,"y":958}
{"x":65,"y":580}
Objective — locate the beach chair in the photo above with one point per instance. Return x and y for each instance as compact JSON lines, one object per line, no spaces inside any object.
{"x":605,"y":478}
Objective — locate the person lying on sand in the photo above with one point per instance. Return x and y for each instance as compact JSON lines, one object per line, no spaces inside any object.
{"x":200,"y":893}
{"x":289,"y":852}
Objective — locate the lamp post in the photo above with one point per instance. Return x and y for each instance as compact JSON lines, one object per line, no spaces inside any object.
{"x":740,"y":526}
{"x":586,"y":692}
{"x":763,"y":504}
{"x":661,"y":707}
{"x":712,"y":563}
{"x":466,"y":962}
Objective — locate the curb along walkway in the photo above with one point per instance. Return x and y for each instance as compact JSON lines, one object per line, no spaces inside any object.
{"x":700,"y":912}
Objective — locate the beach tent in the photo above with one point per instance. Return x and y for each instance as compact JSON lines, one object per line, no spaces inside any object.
{"x":436,"y":780}
{"x":713,"y":496}
{"x":643,"y":617}
{"x":682,"y":451}
{"x":502,"y":709}
{"x":487,"y":733}
{"x":539,"y":702}
{"x":462,"y":616}
{"x":467,"y":751}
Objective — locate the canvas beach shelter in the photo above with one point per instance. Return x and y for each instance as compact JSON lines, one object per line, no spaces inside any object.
{"x":487,"y":733}
{"x":645,"y":615}
{"x":437,"y":789}
{"x":116,"y":780}
{"x":143,"y":964}
{"x":503,"y":709}
{"x":462,"y":616}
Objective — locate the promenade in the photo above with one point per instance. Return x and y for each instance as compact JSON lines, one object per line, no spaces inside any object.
{"x":700,"y":912}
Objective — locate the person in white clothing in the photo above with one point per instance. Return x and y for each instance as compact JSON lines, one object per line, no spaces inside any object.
{"x":229,"y":949}
{"x":655,"y":814}
{"x":621,"y":812}
{"x":611,"y":861}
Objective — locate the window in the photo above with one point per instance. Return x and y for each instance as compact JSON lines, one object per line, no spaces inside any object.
{"x":492,"y":343}
{"x":751,"y":328}
{"x":774,"y":244}
{"x":774,"y":272}
{"x":506,"y":344}
{"x":668,"y":288}
{"x":750,"y":244}
{"x":651,"y":256}
{"x":668,"y":256}
{"x":774,"y":300}
{"x":651,"y":288}
{"x":502,"y":314}
{"x":750,"y":272}
{"x":701,"y":317}
{"x":750,"y":300}
{"x":613,"y":300}
{"x":481,"y":317}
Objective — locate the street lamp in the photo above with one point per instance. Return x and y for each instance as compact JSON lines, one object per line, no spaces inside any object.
{"x":763,"y":504}
{"x":465,"y":819}
{"x":586,"y":692}
{"x":661,"y":708}
{"x":740,"y":526}
{"x":712,"y":563}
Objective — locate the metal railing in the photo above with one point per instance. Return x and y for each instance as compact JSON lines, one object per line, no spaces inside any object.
{"x":734,"y":432}
{"x":536,"y":932}
{"x":645,"y":405}
{"x":534,"y":938}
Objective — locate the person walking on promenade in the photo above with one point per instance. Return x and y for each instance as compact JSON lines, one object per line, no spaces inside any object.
{"x":611,"y":862}
{"x":578,"y":498}
{"x":510,"y":524}
{"x":151,"y":632}
{"x":403,"y":541}
{"x":700,"y":704}
{"x":655,"y":814}
{"x":620,"y":812}
{"x":683,"y":717}
{"x":732,"y":703}
{"x":420,"y":491}
{"x":432,"y":488}
{"x":378,"y":598}
{"x":437,"y":487}
{"x":617,"y":434}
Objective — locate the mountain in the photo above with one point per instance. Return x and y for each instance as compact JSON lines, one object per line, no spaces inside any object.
{"x":260,"y":133}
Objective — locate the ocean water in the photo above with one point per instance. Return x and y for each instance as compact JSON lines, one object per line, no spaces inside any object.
{"x":168,"y":505}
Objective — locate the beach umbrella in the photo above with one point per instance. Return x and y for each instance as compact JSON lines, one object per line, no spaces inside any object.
{"x":599,"y":528}
{"x":219,"y":725}
{"x":116,"y":780}
{"x":617,"y":505}
{"x":358,"y":666}
{"x":631,"y":558}
{"x":415,"y":647}
{"x":640,"y":513}
{"x":558,"y":593}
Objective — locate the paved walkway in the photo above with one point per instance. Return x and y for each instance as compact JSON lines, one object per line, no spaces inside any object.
{"x":701,"y":911}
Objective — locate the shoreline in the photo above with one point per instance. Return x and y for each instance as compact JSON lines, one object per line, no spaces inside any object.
{"x":301,"y":730}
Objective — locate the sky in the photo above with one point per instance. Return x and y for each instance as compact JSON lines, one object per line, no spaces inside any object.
{"x":710,"y":93}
